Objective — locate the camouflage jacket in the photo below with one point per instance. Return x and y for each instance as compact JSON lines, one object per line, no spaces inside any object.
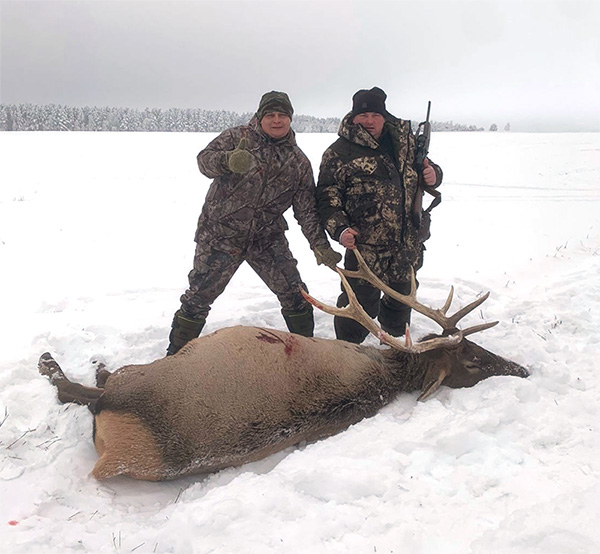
{"x":243,"y":208}
{"x":362,"y":187}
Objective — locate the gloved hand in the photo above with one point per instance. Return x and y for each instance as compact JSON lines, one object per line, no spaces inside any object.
{"x":239,"y":160}
{"x":327,"y":255}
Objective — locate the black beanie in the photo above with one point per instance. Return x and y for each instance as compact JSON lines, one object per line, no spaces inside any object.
{"x":274,"y":101}
{"x":369,"y":101}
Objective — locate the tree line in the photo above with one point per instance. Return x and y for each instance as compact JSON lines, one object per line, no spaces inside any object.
{"x":52,"y":117}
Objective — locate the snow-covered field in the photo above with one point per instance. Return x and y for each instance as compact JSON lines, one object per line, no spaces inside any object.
{"x":95,"y":245}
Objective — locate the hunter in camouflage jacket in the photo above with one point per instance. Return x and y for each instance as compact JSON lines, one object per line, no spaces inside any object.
{"x":241,"y":209}
{"x":258,"y":172}
{"x":362,"y":187}
{"x":369,"y":197}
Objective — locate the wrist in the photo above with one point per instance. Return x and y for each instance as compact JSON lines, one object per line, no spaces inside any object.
{"x":341,"y":234}
{"x":345,"y":233}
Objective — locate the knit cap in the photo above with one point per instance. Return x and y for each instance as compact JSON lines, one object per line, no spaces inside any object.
{"x":274,"y":101}
{"x":369,"y":101}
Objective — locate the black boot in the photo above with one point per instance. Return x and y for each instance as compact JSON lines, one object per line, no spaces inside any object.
{"x":393,"y":315}
{"x":301,"y":323}
{"x":347,"y":329}
{"x":183,"y":330}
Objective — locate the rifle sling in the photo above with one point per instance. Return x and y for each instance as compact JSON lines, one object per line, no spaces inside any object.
{"x":418,"y":211}
{"x":437,"y":198}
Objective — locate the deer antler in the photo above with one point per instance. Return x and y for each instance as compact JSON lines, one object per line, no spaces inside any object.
{"x":447,"y":323}
{"x":356,"y":312}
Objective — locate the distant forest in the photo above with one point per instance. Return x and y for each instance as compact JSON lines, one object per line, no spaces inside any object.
{"x":51,"y":117}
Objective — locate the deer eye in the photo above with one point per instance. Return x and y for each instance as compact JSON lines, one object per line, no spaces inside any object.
{"x":471,"y":366}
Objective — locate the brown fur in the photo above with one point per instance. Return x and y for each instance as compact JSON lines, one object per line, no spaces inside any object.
{"x":125,"y":447}
{"x":243,"y":393}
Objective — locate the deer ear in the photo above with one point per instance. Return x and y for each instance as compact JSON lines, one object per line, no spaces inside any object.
{"x":435,"y":376}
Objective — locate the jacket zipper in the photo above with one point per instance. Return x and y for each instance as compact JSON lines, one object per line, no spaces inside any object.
{"x":262,"y":190}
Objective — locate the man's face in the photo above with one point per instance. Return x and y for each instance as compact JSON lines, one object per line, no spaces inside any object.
{"x":276,"y":124}
{"x":372,"y":122}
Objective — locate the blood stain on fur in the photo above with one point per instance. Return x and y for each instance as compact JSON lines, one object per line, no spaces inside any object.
{"x":270,"y":338}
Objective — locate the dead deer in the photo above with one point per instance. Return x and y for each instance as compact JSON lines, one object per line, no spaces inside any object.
{"x":243,"y":393}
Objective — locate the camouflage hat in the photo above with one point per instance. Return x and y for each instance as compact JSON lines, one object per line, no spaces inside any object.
{"x":274,"y":101}
{"x":369,"y":101}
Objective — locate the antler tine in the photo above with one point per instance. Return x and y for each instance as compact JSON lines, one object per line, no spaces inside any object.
{"x":353,"y":310}
{"x":446,"y":306}
{"x":477,"y":328}
{"x":454,"y":319}
{"x":365,"y":273}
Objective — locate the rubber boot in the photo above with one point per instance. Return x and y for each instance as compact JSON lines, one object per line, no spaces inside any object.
{"x":394,"y":315}
{"x":301,"y":323}
{"x":183,"y":330}
{"x":347,"y":329}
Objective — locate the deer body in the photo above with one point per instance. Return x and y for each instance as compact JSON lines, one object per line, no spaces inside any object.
{"x":243,"y":393}
{"x":239,"y":395}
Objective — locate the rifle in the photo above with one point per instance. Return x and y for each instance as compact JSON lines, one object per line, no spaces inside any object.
{"x":422,"y":139}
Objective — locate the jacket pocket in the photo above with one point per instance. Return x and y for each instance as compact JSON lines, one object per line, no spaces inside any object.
{"x":364,"y":210}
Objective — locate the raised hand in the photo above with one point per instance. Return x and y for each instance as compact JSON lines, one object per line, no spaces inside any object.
{"x":239,"y":160}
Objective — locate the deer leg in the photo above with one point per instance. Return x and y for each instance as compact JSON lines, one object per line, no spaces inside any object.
{"x":102,"y":374}
{"x":68,"y":391}
{"x":47,"y":366}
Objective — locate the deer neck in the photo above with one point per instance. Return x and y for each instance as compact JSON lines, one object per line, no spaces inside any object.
{"x":406,"y":371}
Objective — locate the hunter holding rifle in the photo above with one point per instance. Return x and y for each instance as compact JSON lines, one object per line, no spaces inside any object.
{"x":369,"y":194}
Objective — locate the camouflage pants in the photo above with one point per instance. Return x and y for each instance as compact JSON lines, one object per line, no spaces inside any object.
{"x":213,"y":269}
{"x":392,"y":314}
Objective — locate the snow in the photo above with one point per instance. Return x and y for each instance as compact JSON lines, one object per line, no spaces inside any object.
{"x":96,"y":240}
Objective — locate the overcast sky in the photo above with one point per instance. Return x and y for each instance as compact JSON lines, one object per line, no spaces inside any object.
{"x":533,"y":63}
